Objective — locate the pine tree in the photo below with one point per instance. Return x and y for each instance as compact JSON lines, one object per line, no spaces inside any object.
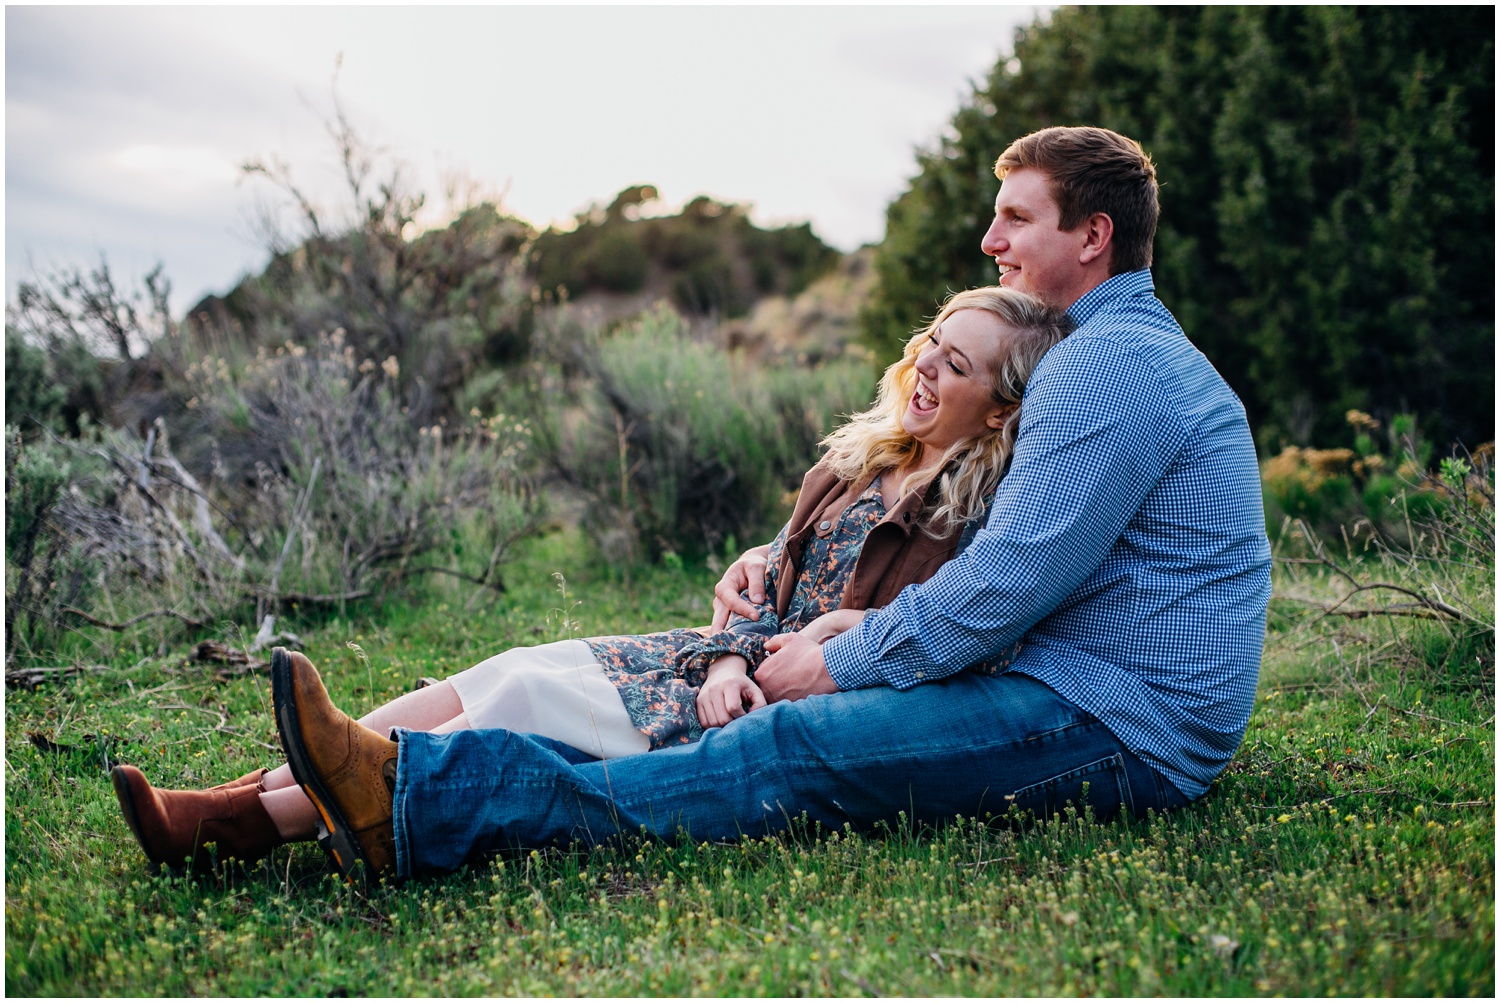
{"x":1327,"y":233}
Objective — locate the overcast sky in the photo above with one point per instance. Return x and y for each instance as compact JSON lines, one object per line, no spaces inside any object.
{"x":125,"y":126}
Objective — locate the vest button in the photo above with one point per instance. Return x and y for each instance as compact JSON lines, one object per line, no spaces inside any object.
{"x":824,"y":524}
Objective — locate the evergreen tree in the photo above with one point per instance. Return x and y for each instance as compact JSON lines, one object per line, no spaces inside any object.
{"x":1327,"y":233}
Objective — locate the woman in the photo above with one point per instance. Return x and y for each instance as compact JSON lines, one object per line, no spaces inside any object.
{"x":901,"y":487}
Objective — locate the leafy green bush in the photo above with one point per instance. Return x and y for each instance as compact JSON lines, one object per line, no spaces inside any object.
{"x":711,"y":259}
{"x":32,"y":395}
{"x":44,"y":571}
{"x":676,"y":444}
{"x":1343,"y":490}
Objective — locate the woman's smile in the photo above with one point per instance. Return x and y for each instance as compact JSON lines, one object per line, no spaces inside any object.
{"x":923,"y":400}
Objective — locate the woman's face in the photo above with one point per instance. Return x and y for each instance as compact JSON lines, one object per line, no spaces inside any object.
{"x":952,"y":398}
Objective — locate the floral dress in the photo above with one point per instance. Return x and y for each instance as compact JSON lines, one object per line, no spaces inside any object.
{"x":658,"y":675}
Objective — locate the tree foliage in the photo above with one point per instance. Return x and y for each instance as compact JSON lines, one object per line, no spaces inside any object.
{"x":711,"y":258}
{"x":1327,"y":233}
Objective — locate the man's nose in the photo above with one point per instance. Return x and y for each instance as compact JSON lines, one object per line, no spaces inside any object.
{"x":993,"y":242}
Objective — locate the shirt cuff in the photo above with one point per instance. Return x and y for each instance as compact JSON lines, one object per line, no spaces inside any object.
{"x":848,"y":662}
{"x":693,"y":660}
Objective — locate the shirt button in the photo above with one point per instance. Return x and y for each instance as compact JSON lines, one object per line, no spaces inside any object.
{"x":921,"y":675}
{"x":824,"y":524}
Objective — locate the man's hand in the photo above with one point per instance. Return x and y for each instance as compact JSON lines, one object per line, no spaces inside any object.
{"x":832,"y":624}
{"x":746,"y":574}
{"x":723,"y":695}
{"x":794,"y":670}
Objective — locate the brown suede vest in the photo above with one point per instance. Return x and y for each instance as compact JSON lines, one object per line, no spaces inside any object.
{"x":897,"y":553}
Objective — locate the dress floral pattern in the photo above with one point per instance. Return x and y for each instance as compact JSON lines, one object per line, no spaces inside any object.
{"x":658,"y":675}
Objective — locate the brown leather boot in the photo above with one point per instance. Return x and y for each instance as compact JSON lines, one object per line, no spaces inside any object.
{"x":196,"y":828}
{"x":346,"y":770}
{"x":254,"y":777}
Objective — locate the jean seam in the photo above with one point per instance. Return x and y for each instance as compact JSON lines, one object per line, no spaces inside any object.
{"x":1129,"y":789}
{"x":1093,"y":766}
{"x":400,"y":833}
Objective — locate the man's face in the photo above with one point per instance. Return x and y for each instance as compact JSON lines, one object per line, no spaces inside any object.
{"x":1033,"y":255}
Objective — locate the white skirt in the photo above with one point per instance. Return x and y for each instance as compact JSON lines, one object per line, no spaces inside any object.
{"x":556,"y":690}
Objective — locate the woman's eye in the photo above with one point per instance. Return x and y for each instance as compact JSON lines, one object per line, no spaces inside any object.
{"x":955,"y":368}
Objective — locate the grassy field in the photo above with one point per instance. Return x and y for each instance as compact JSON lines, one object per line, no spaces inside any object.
{"x":1348,"y":849}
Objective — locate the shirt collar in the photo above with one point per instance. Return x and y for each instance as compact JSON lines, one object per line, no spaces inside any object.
{"x":1120,"y":286}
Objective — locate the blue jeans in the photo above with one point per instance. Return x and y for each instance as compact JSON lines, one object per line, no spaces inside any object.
{"x":969,"y":745}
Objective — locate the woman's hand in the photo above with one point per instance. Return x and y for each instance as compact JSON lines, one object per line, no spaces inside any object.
{"x":726,"y":691}
{"x":747,"y":574}
{"x":832,"y":624}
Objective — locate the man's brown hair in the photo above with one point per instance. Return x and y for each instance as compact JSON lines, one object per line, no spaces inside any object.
{"x":1095,"y":170}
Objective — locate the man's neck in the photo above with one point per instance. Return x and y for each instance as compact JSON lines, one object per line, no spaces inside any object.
{"x":1087,"y":283}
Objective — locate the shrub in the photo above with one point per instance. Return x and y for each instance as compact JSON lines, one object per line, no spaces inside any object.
{"x":44,"y":571}
{"x":340,"y":470}
{"x":1311,"y":484}
{"x":616,"y":262}
{"x":32,"y":395}
{"x":678,"y":445}
{"x":324,"y":490}
{"x":1348,"y":489}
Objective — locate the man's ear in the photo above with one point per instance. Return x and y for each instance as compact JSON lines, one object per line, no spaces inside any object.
{"x":1099,"y":233}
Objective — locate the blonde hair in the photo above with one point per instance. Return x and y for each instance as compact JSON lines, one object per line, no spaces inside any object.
{"x":971,"y":467}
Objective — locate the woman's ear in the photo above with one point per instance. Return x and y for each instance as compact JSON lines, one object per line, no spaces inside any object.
{"x":997,"y":420}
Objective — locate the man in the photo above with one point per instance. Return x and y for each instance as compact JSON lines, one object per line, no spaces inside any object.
{"x":1126,"y":553}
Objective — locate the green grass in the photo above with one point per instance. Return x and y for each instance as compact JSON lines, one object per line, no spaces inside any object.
{"x":1348,"y":849}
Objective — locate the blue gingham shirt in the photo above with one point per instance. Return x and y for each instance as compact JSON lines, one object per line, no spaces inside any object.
{"x":1126,"y":549}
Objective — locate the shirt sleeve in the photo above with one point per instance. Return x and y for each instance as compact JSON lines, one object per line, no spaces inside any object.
{"x":1097,"y":432}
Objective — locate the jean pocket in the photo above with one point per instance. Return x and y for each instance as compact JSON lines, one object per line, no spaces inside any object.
{"x":1102,"y":785}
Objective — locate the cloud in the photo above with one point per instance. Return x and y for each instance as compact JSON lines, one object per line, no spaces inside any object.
{"x":127,"y":123}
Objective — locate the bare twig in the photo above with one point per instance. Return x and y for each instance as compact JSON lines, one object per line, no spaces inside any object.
{"x":202,"y":521}
{"x":1338,"y":652}
{"x":309,"y":599}
{"x":1421,"y":600}
{"x":159,"y":506}
{"x":299,"y":513}
{"x":230,"y":730}
{"x":73,"y":611}
{"x":31,"y":678}
{"x":223,"y":718}
{"x":1428,"y":752}
{"x":1439,"y":720}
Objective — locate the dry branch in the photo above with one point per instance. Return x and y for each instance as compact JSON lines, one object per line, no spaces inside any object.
{"x":33,"y":677}
{"x":73,"y":611}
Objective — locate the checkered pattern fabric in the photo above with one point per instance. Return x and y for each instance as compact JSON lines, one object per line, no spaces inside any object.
{"x":1126,"y":549}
